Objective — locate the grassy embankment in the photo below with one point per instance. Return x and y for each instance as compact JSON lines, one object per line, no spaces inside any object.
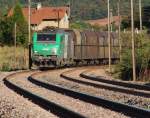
{"x":8,"y":61}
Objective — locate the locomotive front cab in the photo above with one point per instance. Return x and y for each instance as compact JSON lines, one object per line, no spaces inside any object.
{"x":46,"y":48}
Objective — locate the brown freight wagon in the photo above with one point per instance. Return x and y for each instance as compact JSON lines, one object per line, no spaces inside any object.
{"x":93,"y":46}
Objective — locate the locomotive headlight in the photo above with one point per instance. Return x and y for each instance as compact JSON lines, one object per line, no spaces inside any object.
{"x":36,"y":52}
{"x":54,"y":51}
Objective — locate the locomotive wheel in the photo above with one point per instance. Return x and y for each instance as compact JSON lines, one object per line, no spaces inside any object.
{"x":59,"y":63}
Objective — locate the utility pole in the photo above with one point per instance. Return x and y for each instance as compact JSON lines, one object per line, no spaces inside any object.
{"x":133,"y":45}
{"x":57,"y":10}
{"x":58,"y":18}
{"x":140,"y":14}
{"x":109,"y":40}
{"x":111,"y":20}
{"x":69,"y":9}
{"x":69,"y":12}
{"x":15,"y":42}
{"x":29,"y":32}
{"x":119,"y":31}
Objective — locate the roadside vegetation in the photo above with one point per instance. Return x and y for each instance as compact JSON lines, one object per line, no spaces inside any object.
{"x":10,"y":61}
{"x":7,"y":38}
{"x":84,"y":26}
{"x":142,"y":54}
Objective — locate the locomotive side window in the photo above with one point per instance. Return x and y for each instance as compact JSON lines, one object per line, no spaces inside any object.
{"x":46,"y":37}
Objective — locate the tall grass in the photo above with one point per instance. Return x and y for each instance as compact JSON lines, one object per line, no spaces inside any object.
{"x":8,"y":61}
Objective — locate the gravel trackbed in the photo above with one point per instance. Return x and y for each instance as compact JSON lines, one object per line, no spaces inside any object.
{"x":15,"y":106}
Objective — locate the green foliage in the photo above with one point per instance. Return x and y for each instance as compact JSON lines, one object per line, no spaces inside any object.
{"x":80,"y":25}
{"x":18,"y":15}
{"x":6,"y":5}
{"x":7,"y":25}
{"x":125,"y":24}
{"x":142,"y":44}
{"x":22,"y":27}
{"x":81,"y":9}
{"x":6,"y":28}
{"x":90,"y":9}
{"x":84,"y":26}
{"x":146,"y":16}
{"x":5,"y":67}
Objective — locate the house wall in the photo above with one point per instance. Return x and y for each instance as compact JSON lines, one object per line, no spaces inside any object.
{"x":64,"y":23}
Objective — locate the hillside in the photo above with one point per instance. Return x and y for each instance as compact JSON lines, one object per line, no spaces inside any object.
{"x":80,"y":9}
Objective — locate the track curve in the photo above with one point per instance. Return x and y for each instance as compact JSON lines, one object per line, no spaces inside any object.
{"x":67,"y":113}
{"x":114,"y":82}
{"x":44,"y":103}
{"x":119,"y":107}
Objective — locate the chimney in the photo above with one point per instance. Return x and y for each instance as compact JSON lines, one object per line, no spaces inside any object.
{"x":39,"y":6}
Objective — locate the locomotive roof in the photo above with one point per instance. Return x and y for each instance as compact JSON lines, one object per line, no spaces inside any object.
{"x":88,"y":32}
{"x":51,"y":31}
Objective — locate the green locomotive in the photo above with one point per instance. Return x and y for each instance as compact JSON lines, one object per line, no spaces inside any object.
{"x":49,"y":48}
{"x":59,"y":47}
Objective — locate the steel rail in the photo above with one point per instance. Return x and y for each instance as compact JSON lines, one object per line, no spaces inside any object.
{"x":116,"y":106}
{"x":108,"y":87}
{"x":114,"y":82}
{"x":55,"y":108}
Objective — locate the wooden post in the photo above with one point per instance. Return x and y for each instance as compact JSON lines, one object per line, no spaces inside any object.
{"x":69,"y":12}
{"x":111,"y":20}
{"x":140,"y":14}
{"x":29,"y":20}
{"x":58,"y":18}
{"x":133,"y":45}
{"x":109,"y":40}
{"x":29,"y":32}
{"x":15,"y":44}
{"x":119,"y":31}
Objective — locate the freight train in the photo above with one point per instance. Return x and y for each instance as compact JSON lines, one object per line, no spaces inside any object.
{"x":60,"y":47}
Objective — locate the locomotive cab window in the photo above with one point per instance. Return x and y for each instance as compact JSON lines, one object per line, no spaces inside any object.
{"x":46,"y":37}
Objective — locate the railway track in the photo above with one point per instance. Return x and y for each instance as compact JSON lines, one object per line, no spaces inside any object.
{"x":84,"y":96}
{"x":109,"y":85}
{"x":65,"y":112}
{"x":114,"y":82}
{"x":49,"y":98}
{"x":55,"y":108}
{"x":121,"y":94}
{"x":119,"y":107}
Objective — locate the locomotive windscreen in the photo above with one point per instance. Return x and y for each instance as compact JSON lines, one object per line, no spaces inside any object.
{"x":46,"y":37}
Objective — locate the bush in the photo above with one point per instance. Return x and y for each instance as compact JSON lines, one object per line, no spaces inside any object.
{"x":84,"y":26}
{"x":142,"y":56}
{"x":5,"y":67}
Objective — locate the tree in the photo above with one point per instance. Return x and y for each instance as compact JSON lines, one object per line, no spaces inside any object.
{"x":22,"y":27}
{"x":6,"y":28}
{"x":146,"y":16}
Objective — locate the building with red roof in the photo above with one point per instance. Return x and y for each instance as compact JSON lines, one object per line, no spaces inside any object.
{"x":42,"y":17}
